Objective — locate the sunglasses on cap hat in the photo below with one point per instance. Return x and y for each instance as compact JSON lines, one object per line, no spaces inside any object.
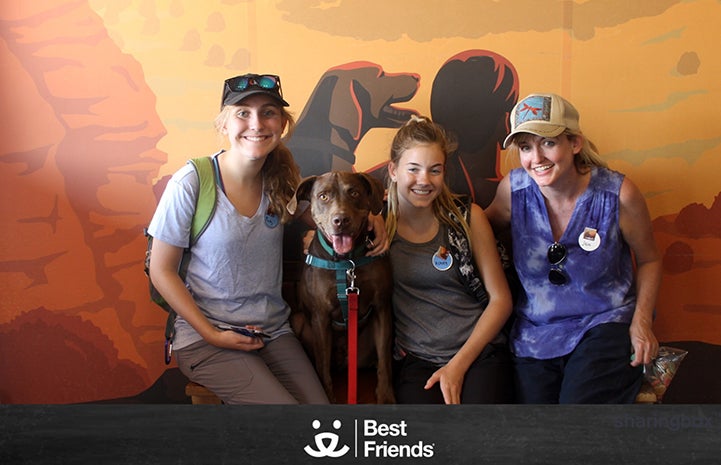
{"x":240,"y":87}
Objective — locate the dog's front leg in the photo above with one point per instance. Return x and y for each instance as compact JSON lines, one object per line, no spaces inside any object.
{"x":323,"y":349}
{"x":383,"y":341}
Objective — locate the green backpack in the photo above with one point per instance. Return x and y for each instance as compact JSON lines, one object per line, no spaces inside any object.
{"x":206,"y":167}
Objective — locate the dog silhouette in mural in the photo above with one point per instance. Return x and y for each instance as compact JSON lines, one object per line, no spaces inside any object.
{"x":348,"y":101}
{"x":472,"y":96}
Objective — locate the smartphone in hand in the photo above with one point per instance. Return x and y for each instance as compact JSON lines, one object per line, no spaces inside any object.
{"x":250,"y":332}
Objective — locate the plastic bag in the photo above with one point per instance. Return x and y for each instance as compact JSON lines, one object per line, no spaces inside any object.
{"x":662,"y":369}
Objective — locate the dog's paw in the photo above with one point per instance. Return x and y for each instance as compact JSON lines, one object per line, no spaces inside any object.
{"x":385,"y":396}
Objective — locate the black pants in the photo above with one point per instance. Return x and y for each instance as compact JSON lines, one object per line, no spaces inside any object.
{"x":598,"y":371}
{"x":489,"y":379}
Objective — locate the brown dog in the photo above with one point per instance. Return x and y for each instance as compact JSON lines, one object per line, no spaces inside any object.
{"x":340,"y":203}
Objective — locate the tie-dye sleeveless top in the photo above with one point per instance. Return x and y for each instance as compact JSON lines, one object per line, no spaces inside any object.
{"x":551,"y":319}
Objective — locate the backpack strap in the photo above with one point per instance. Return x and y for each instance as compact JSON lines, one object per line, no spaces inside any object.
{"x":460,"y":248}
{"x":469,"y":272}
{"x":204,"y":210}
{"x":205,"y":203}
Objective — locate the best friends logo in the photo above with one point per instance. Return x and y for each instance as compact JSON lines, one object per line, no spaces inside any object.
{"x":373,"y":440}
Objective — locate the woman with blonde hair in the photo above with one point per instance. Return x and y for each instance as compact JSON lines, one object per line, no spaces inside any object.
{"x":585,"y":255}
{"x":450,"y":299}
{"x":234,"y":276}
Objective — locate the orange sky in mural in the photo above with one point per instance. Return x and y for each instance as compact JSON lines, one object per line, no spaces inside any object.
{"x":606,"y":67}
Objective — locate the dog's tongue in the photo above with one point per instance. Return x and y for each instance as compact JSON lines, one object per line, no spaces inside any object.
{"x":342,"y":244}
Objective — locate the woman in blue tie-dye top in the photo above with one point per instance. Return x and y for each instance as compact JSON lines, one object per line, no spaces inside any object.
{"x":586,"y":259}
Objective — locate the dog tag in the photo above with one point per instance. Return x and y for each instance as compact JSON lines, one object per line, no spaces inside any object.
{"x":589,"y":240}
{"x":271,"y":220}
{"x":442,"y":259}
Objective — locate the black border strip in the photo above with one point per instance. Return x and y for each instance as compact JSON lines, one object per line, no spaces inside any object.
{"x":499,"y":434}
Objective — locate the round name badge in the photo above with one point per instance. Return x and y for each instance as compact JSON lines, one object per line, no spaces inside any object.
{"x":271,"y":220}
{"x":442,"y":259}
{"x":589,"y":240}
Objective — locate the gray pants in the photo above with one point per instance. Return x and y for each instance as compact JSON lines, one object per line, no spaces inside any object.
{"x":279,"y":373}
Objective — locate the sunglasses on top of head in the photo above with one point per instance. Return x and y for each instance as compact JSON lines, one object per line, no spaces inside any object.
{"x":262,"y":81}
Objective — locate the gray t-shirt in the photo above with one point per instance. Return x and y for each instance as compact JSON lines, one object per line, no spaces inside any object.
{"x":235,"y":270}
{"x":434,"y":314}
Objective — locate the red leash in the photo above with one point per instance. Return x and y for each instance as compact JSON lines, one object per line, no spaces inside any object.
{"x":351,"y":293}
{"x":348,"y":304}
{"x":353,"y":347}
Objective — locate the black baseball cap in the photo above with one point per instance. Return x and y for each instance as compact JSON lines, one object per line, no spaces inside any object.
{"x":239,"y":87}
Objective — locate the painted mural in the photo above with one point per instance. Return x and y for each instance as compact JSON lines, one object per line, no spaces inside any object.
{"x":102,"y":100}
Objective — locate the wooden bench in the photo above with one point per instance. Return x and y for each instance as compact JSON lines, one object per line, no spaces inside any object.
{"x":200,"y":395}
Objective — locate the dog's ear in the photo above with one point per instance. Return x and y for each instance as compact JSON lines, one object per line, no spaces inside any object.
{"x":302,"y":192}
{"x":347,"y":112}
{"x":376,"y":192}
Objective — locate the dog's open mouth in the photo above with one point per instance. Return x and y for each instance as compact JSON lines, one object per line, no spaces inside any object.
{"x":396,"y":116}
{"x":342,"y":243}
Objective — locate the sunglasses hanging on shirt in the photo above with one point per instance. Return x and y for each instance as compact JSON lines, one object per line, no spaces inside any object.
{"x":556,"y":255}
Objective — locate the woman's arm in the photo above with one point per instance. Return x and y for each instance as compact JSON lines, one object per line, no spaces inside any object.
{"x":164,"y":274}
{"x":491,"y":322}
{"x":499,"y":211}
{"x":637,"y":230}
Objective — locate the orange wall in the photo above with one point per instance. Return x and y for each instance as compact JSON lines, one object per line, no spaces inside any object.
{"x":101,"y":99}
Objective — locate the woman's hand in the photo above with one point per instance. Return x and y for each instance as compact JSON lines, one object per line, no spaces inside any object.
{"x":645,"y":345}
{"x":451,"y":383}
{"x":228,"y":339}
{"x":380,"y":244}
{"x":307,"y":239}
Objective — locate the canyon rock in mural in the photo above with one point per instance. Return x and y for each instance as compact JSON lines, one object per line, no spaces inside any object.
{"x":77,"y":150}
